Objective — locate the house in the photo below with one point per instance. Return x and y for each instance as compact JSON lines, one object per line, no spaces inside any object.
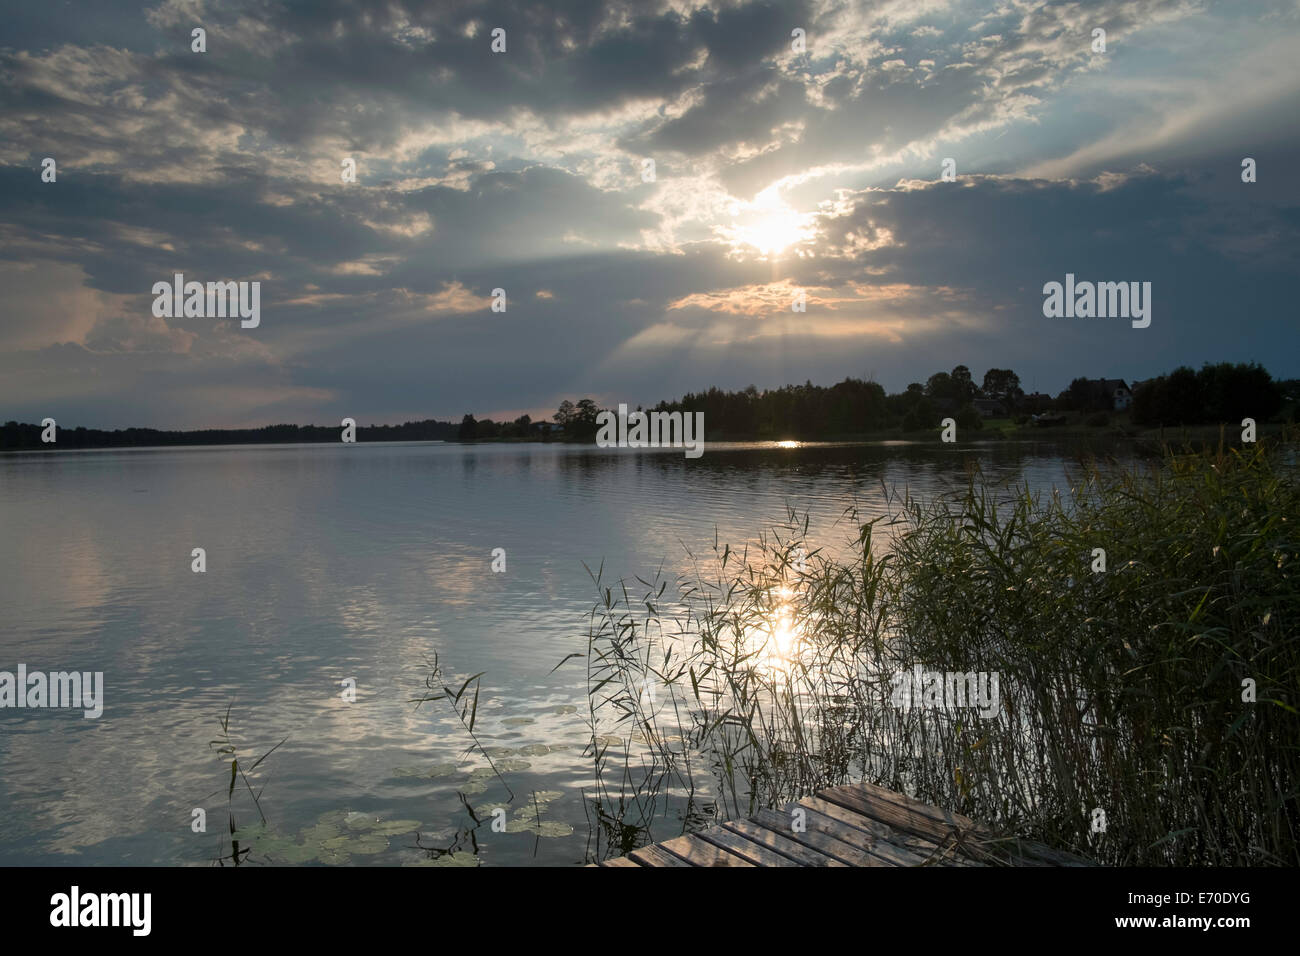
{"x":1036,"y":402}
{"x":1118,"y":393}
{"x":988,"y":407}
{"x":1098,"y":394}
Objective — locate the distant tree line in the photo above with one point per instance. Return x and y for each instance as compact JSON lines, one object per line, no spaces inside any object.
{"x":853,"y":407}
{"x":19,"y":435}
{"x":485,"y":429}
{"x":1217,"y":393}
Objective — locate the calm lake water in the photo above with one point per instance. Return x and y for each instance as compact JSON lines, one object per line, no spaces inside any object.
{"x":334,"y":562}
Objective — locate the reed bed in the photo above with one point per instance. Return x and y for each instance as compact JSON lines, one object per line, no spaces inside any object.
{"x":768,"y":673}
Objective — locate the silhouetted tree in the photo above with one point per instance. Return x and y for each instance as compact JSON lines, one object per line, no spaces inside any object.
{"x":468,"y":428}
{"x":1003,"y":385}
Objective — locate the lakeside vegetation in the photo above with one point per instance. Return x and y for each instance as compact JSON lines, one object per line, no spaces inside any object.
{"x":851,"y":410}
{"x":1160,"y":692}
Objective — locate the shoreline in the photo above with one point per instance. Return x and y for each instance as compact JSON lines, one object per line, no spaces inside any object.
{"x":998,"y":434}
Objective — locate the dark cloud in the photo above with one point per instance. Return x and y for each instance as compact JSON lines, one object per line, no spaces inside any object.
{"x":522,"y":171}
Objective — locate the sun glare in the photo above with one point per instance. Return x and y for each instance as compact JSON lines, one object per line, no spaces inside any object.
{"x":779,"y":641}
{"x":768,"y":225}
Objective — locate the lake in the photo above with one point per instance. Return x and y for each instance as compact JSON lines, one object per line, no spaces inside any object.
{"x":334,"y":563}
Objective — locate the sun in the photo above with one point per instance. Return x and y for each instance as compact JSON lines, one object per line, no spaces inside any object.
{"x":768,"y":225}
{"x":773,"y":233}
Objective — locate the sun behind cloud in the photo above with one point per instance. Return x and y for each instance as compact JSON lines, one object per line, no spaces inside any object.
{"x":768,"y":224}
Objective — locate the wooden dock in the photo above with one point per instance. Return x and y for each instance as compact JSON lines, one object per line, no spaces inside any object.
{"x":859,"y":825}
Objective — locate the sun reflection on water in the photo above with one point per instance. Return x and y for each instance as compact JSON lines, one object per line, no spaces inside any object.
{"x":779,"y":643}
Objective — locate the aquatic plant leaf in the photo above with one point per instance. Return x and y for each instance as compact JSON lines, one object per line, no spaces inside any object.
{"x":547,"y":828}
{"x":298,"y":853}
{"x":369,"y":844}
{"x":451,"y":859}
{"x":394,"y":827}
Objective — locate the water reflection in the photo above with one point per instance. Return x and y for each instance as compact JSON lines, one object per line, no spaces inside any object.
{"x":326,"y":563}
{"x":779,"y":641}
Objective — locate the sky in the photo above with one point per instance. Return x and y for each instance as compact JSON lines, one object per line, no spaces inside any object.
{"x":783,"y":164}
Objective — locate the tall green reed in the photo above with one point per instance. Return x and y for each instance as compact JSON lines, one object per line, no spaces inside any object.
{"x":1120,"y":690}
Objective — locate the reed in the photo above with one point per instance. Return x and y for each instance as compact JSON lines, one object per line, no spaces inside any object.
{"x":767,"y":674}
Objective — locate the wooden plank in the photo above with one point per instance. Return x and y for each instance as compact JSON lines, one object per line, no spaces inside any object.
{"x":896,"y":814}
{"x":1022,"y":852}
{"x":779,"y":843}
{"x":1030,"y":848}
{"x":845,"y":817}
{"x":821,"y":834}
{"x":656,"y":856}
{"x":861,"y":825}
{"x":751,"y":850}
{"x":884,"y":848}
{"x":900,"y":849}
{"x":697,"y":852}
{"x":938,"y":826}
{"x":951,"y":817}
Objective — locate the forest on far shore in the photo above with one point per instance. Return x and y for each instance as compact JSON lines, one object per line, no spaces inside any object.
{"x":1217,"y":393}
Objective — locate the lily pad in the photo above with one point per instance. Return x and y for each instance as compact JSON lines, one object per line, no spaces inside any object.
{"x":250,"y":836}
{"x":298,"y":853}
{"x":276,"y":844}
{"x":394,"y":827}
{"x":451,"y":859}
{"x":518,"y":721}
{"x":534,"y":750}
{"x":512,"y":766}
{"x":369,"y":844}
{"x":527,"y":819}
{"x":317,"y":835}
{"x":547,"y":828}
{"x":479,"y":780}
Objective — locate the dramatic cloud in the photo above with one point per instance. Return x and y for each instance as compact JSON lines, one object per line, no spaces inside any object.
{"x":779,"y":170}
